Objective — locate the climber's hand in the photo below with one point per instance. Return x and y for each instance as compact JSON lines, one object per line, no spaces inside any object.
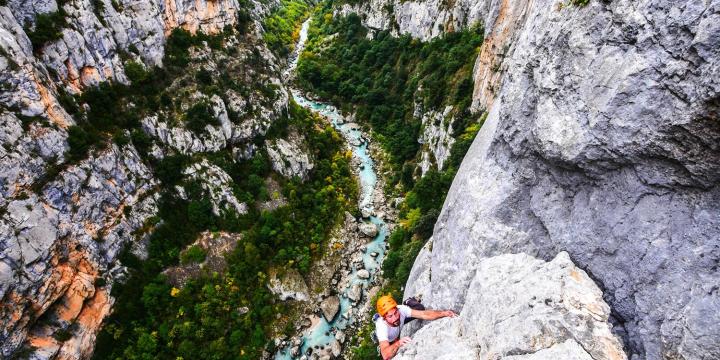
{"x":402,"y":342}
{"x":449,"y":313}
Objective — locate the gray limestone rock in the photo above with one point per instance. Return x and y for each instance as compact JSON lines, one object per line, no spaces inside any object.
{"x":519,"y":307}
{"x":355,"y":293}
{"x":218,"y":185}
{"x":368,"y":229}
{"x":330,"y":307}
{"x":363,"y":274}
{"x":602,"y":142}
{"x":289,"y":156}
{"x":288,"y":285}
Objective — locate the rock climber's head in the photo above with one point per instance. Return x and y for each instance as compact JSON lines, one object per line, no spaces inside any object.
{"x":387,"y":308}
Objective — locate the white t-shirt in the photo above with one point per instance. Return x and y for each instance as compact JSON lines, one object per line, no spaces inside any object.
{"x":389,"y":333}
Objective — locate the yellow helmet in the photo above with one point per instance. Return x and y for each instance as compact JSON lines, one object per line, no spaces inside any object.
{"x":384,"y":304}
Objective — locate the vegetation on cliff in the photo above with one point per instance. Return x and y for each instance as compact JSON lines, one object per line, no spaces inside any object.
{"x":383,"y":79}
{"x":282,"y":26}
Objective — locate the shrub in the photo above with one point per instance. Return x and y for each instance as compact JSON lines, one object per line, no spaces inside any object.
{"x":135,"y":72}
{"x":141,"y":141}
{"x":194,"y":254}
{"x":62,"y":335}
{"x":170,"y":169}
{"x":48,"y":27}
{"x":199,"y":116}
{"x":200,"y":213}
{"x":176,"y":48}
{"x":204,"y":77}
{"x":79,"y":141}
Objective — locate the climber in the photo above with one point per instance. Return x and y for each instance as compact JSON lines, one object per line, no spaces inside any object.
{"x":391,"y":317}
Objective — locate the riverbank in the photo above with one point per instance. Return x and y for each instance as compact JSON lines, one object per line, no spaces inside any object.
{"x":348,"y":275}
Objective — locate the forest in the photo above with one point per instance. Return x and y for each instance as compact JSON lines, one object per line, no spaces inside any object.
{"x":383,"y":79}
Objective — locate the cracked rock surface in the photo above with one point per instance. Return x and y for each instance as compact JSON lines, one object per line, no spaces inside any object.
{"x":603,"y":142}
{"x":520,"y":307}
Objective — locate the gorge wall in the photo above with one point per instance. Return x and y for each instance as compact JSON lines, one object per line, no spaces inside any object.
{"x":602,"y":141}
{"x":64,"y":224}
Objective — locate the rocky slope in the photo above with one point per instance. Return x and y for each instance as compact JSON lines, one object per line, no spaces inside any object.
{"x":63,"y":225}
{"x":602,"y":141}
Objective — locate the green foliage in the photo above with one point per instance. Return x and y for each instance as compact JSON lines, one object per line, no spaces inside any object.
{"x":170,"y":169}
{"x":98,"y":8}
{"x":116,"y":5}
{"x":194,"y":254}
{"x":135,"y":72}
{"x":177,"y":48}
{"x":48,"y":27}
{"x":380,"y":77}
{"x":62,"y":335}
{"x":79,"y":141}
{"x":204,"y":77}
{"x":579,"y":2}
{"x":199,"y":116}
{"x":200,"y":213}
{"x":282,"y":26}
{"x":67,"y":101}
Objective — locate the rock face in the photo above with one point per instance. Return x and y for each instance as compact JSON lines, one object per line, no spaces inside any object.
{"x":54,"y":244}
{"x":288,"y":157}
{"x":62,"y":226}
{"x":89,"y":50}
{"x":601,"y":141}
{"x":436,"y":138}
{"x":288,"y":285}
{"x":217,"y":184}
{"x":519,"y":307}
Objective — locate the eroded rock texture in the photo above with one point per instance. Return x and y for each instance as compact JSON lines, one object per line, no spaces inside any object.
{"x":519,"y":307}
{"x":602,"y":140}
{"x":63,"y":225}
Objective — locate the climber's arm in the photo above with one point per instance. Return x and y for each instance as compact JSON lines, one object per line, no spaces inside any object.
{"x":431,"y":314}
{"x":388,"y":351}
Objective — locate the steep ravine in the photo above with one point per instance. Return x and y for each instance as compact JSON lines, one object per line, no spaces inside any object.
{"x":583,"y":223}
{"x":357,"y":280}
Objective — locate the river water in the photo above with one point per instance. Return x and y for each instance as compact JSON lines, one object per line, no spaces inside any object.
{"x":322,"y":334}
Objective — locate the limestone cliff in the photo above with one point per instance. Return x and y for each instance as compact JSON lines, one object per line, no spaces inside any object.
{"x":63,"y":225}
{"x":519,"y":307}
{"x":602,"y":141}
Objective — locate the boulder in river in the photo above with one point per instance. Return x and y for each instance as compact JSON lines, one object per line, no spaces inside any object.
{"x":363,"y":274}
{"x":330,"y":307}
{"x":340,"y":336}
{"x":366,"y":213}
{"x":355,"y":293}
{"x":368,"y":229}
{"x":288,"y":285}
